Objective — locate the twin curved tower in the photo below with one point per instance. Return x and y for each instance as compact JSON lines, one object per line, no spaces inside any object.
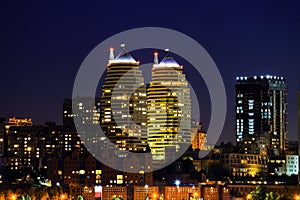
{"x":140,"y":119}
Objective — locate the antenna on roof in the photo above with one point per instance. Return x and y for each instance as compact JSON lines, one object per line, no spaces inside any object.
{"x":111,"y":54}
{"x":155,"y":61}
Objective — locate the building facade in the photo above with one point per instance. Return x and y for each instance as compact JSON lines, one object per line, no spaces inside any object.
{"x":290,"y":166}
{"x":181,"y":192}
{"x":169,"y":108}
{"x":244,"y":165}
{"x":83,"y":105}
{"x":124,"y":103}
{"x":144,"y":192}
{"x":261,"y":114}
{"x":198,"y":137}
{"x":110,"y":192}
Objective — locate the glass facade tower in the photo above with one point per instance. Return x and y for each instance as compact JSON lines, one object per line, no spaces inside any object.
{"x":169,"y":108}
{"x":261,"y":114}
{"x":124,"y":104}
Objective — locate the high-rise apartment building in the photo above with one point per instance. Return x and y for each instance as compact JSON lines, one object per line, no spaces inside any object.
{"x":169,"y":108}
{"x":83,"y":105}
{"x":261,"y":114}
{"x":124,"y":103}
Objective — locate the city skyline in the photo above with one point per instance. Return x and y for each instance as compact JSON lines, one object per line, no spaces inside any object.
{"x":148,"y":100}
{"x":44,"y":53}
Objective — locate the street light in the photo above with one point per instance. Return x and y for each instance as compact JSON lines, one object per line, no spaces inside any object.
{"x":297,"y":197}
{"x":248,"y":196}
{"x":154,"y":196}
{"x":146,"y":187}
{"x":195,"y":195}
{"x":177,"y":182}
{"x":13,"y":197}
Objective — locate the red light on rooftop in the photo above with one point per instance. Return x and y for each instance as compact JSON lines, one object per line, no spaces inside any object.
{"x":155,"y":53}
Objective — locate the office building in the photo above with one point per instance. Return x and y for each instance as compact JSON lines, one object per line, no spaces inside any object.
{"x":244,"y":164}
{"x":169,"y":109}
{"x":124,"y":103}
{"x":261,"y":114}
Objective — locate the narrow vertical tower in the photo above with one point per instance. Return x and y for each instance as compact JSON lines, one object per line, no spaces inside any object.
{"x":124,"y":103}
{"x":111,"y":55}
{"x":155,"y":60}
{"x":169,"y":109}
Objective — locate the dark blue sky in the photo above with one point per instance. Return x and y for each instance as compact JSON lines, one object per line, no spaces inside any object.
{"x":43,"y":43}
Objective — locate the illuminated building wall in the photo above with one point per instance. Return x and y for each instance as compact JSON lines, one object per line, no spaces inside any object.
{"x":198,"y":137}
{"x":31,"y":146}
{"x":110,"y":192}
{"x":142,"y":192}
{"x":124,"y":104}
{"x":83,"y":105}
{"x":182,"y":192}
{"x":244,"y":164}
{"x":169,"y":108}
{"x":276,"y":164}
{"x":291,"y":166}
{"x":68,"y":139}
{"x":25,"y":147}
{"x":19,"y":144}
{"x":261,"y":114}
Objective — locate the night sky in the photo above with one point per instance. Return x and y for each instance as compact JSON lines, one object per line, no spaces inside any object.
{"x":43,"y":43}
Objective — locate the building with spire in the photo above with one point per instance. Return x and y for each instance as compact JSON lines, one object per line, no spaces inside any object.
{"x":123,"y":115}
{"x":261,"y":114}
{"x":169,"y":108}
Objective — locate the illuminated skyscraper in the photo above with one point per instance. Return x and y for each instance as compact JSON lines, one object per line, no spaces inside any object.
{"x":124,"y":103}
{"x":261,"y":114}
{"x":169,"y":108}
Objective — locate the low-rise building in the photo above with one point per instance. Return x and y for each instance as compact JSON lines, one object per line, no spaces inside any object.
{"x":244,"y":164}
{"x":181,"y":192}
{"x":144,"y":192}
{"x":110,"y":192}
{"x":290,"y":166}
